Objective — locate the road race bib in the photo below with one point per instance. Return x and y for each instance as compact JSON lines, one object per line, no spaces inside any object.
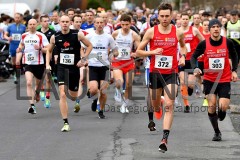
{"x":100,"y":56}
{"x":16,"y":37}
{"x":124,"y":53}
{"x":188,"y":47}
{"x":216,"y":63}
{"x":163,"y":62}
{"x":67,"y":59}
{"x":30,"y":57}
{"x":234,"y":35}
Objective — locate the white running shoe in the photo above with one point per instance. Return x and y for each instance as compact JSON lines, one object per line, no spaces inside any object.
{"x":117,"y":96}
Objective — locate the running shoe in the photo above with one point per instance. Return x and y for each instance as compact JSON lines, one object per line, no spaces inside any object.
{"x":98,"y":109}
{"x":32,"y":110}
{"x":205,"y":103}
{"x":158,"y":113}
{"x":123,"y":108}
{"x":76,"y":108}
{"x":217,"y":137}
{"x":66,"y":128}
{"x":15,"y":79}
{"x":221,"y":114}
{"x":186,"y":109}
{"x":163,"y":146}
{"x":42,"y":96}
{"x":47,"y":103}
{"x":151,"y":126}
{"x":118,"y":96}
{"x":101,"y":115}
{"x":94,"y":105}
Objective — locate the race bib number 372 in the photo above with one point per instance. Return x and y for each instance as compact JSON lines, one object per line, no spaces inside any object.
{"x":163,"y":62}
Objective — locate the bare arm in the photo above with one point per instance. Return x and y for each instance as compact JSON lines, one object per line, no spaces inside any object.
{"x":146,"y":39}
{"x":86,"y":42}
{"x":183,"y":49}
{"x":198,"y":34}
{"x":5,"y":36}
{"x":49,"y":52}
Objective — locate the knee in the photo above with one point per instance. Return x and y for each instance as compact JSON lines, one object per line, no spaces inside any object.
{"x":29,"y":83}
{"x":118,"y":83}
{"x":62,"y":95}
{"x":169,"y":107}
{"x":93,"y":91}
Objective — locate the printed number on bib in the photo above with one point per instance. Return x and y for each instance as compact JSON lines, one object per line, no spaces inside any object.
{"x":124,"y":53}
{"x":30,"y":57}
{"x":16,"y":37}
{"x":163,"y":62}
{"x":100,"y":56}
{"x":188,"y":47}
{"x":216,"y":63}
{"x":67,"y":59}
{"x":235,"y":35}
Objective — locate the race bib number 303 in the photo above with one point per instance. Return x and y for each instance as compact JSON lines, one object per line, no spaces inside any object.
{"x":216,"y":63}
{"x":163,"y":62}
{"x":67,"y":59}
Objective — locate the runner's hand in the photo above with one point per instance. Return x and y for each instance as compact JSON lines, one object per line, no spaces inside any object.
{"x":181,"y":61}
{"x":234,"y":76}
{"x":133,"y":54}
{"x":48,"y":67}
{"x":157,"y":51}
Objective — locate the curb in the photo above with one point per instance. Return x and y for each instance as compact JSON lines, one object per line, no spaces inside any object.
{"x":235,"y":109}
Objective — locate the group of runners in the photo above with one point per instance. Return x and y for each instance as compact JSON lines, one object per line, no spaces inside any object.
{"x":196,"y":52}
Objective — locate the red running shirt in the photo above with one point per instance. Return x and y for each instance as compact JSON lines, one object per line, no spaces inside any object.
{"x":167,"y":62}
{"x":216,"y":58}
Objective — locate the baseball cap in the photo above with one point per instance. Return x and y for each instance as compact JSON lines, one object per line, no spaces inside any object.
{"x":234,"y":12}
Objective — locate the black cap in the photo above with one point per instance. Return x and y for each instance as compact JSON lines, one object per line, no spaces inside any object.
{"x":213,"y":22}
{"x":234,"y":12}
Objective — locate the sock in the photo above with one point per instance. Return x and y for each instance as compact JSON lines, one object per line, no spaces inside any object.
{"x":213,"y":117}
{"x":165,"y":134}
{"x":65,"y":120}
{"x":78,"y":101}
{"x":32,"y":104}
{"x":48,"y":95}
{"x":184,"y":92}
{"x":150,"y":116}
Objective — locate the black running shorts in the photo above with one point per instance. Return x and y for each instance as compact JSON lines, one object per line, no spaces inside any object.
{"x":222,"y":89}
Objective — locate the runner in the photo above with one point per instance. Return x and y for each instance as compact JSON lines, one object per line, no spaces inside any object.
{"x":123,"y":64}
{"x":233,"y":30}
{"x":69,"y":61}
{"x":192,"y":36}
{"x":13,"y":35}
{"x":99,"y":64}
{"x":220,"y":59}
{"x":163,"y":40}
{"x":31,"y":47}
{"x":44,"y":21}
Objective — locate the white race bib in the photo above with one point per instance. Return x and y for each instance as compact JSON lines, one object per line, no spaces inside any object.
{"x":234,"y":35}
{"x":124,"y":53}
{"x":216,"y":63}
{"x":30,"y":57}
{"x":188,"y":47}
{"x":16,"y":37}
{"x":163,"y":62}
{"x":67,"y":59}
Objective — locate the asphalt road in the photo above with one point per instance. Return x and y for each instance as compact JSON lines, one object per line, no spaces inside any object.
{"x":118,"y":137}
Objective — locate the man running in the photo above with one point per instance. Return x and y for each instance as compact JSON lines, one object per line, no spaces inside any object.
{"x":192,"y":36}
{"x":163,"y":40}
{"x":69,"y":61}
{"x":99,"y":63}
{"x":32,"y":45}
{"x":123,"y":64}
{"x":220,"y":64}
{"x":44,"y":21}
{"x":13,"y":35}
